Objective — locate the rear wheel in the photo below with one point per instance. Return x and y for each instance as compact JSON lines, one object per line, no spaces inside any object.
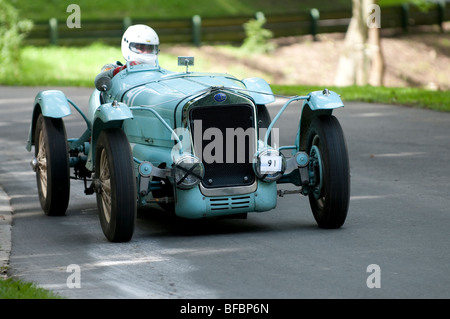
{"x":52,"y":165}
{"x":329,"y":165}
{"x":115,"y":185}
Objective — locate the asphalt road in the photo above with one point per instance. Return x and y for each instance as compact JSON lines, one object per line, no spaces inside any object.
{"x":394,"y":243}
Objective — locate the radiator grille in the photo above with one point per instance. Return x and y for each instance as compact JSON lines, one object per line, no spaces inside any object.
{"x":231,"y":203}
{"x":227,"y":158}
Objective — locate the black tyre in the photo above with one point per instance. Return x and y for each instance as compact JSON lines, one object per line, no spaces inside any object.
{"x":52,"y":165}
{"x":115,"y":185}
{"x":329,"y":197}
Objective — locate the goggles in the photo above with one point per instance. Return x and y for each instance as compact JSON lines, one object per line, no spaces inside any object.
{"x":142,"y":48}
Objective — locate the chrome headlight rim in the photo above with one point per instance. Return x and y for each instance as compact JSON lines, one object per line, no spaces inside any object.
{"x":188,"y":171}
{"x":269,"y":175}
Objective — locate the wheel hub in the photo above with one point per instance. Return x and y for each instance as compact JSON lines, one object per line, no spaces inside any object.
{"x":315,"y":172}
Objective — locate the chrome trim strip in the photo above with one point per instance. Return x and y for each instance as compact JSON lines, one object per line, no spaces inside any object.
{"x":229,"y":191}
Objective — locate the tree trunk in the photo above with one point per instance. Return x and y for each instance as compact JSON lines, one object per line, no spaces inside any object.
{"x":377,"y":61}
{"x":361,"y":61}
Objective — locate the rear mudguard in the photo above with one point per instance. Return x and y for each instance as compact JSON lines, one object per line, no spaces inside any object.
{"x":318,"y":103}
{"x":108,"y":115}
{"x":50,"y":103}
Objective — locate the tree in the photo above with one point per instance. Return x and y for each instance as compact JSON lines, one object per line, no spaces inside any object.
{"x":361,"y":61}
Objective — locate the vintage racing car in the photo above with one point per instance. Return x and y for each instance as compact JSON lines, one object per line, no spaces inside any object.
{"x":197,"y":145}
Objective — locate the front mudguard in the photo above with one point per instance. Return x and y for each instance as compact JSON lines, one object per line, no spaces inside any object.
{"x":108,"y":115}
{"x":259,"y":90}
{"x":49,"y":103}
{"x":317,"y":103}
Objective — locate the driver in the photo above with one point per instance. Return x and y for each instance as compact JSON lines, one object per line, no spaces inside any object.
{"x":140,"y":44}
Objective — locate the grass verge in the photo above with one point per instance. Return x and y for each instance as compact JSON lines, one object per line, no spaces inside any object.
{"x":16,"y":289}
{"x":415,"y":97}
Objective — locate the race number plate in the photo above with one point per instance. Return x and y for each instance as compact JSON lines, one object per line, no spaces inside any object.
{"x":270,"y":164}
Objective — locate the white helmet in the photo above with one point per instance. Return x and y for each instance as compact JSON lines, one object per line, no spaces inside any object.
{"x":140,"y":43}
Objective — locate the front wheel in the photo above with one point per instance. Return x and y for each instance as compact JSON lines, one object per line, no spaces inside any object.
{"x":329,"y":195}
{"x":115,"y":185}
{"x":52,"y":165}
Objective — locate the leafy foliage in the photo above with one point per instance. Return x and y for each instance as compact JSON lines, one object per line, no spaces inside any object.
{"x":12,"y":32}
{"x":257,"y":38}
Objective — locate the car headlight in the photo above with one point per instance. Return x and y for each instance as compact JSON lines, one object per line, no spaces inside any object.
{"x":188,"y":172}
{"x":269,"y":165}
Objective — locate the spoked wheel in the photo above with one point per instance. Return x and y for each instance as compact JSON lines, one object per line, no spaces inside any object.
{"x":115,"y":185}
{"x":329,"y":195}
{"x":51,"y":165}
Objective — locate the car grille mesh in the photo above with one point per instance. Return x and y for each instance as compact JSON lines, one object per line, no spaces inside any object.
{"x":222,"y":169}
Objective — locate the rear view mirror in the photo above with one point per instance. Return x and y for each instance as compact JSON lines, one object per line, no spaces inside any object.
{"x":186,"y":61}
{"x":102,"y":82}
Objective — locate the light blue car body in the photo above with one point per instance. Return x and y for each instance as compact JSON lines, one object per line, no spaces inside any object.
{"x":152,"y":106}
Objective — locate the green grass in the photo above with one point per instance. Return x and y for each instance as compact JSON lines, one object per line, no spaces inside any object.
{"x":61,"y":66}
{"x":17,"y":289}
{"x":415,"y":97}
{"x":78,"y":66}
{"x":40,"y":10}
{"x":165,"y":9}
